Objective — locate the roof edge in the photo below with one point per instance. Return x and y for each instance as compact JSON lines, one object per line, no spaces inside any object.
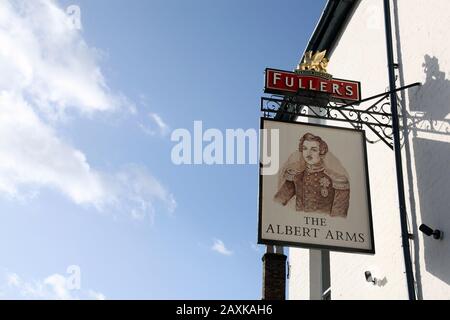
{"x":331,"y":25}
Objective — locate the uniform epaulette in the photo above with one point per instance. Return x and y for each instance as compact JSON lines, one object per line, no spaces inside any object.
{"x":340,"y":181}
{"x":289,"y":174}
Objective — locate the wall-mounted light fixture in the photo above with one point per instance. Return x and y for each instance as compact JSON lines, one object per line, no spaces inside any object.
{"x":369,"y":277}
{"x":437,"y":234}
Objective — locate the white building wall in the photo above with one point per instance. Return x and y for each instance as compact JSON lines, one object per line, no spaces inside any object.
{"x":299,"y":277}
{"x":420,"y":30}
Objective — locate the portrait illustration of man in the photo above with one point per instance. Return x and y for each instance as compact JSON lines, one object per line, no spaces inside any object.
{"x":316,"y":187}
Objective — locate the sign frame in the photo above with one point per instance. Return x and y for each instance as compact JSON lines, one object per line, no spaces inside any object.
{"x":319,"y":246}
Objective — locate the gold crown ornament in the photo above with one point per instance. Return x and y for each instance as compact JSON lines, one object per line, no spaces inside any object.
{"x":314,"y":62}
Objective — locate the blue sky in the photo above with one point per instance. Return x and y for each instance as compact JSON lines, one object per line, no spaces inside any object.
{"x":86,"y":177}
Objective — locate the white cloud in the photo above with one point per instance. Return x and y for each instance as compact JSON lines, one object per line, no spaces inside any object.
{"x":13,"y":280}
{"x":133,"y":189}
{"x":47,"y":68}
{"x":45,"y":56}
{"x":163,"y":128}
{"x":31,"y":154}
{"x":58,"y":287}
{"x":96,"y":295}
{"x":219,"y":247}
{"x":53,"y":287}
{"x":157,"y":126}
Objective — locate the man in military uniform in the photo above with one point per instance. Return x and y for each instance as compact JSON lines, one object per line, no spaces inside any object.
{"x":316,"y":188}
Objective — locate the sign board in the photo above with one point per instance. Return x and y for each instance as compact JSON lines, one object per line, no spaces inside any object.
{"x":319,"y":197}
{"x":285,"y":82}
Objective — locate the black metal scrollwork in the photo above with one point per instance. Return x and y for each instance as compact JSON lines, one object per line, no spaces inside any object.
{"x":377,"y":117}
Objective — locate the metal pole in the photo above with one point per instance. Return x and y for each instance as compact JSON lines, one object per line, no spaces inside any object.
{"x":398,"y":155}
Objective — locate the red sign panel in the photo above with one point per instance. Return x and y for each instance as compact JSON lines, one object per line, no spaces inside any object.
{"x":285,"y":82}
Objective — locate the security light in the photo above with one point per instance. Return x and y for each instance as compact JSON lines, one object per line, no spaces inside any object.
{"x":369,"y":277}
{"x":437,"y":234}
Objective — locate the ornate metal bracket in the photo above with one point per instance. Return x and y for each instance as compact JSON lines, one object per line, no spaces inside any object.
{"x":377,"y":117}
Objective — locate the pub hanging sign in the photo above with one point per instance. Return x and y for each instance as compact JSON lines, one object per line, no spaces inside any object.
{"x":319,"y":197}
{"x":317,"y":193}
{"x":311,"y":76}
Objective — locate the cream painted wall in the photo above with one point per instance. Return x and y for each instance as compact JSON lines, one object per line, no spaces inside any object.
{"x":423,"y":52}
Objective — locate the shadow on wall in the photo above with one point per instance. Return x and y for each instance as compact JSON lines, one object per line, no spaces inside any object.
{"x":433,"y":97}
{"x":429,"y":106}
{"x":433,"y":181}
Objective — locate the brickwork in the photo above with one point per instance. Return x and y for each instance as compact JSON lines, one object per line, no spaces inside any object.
{"x":274,"y":276}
